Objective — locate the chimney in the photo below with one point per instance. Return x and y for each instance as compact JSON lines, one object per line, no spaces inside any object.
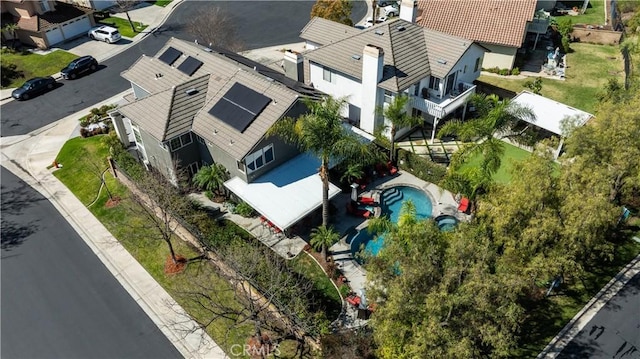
{"x":409,"y":10}
{"x":372,"y":70}
{"x":292,"y":65}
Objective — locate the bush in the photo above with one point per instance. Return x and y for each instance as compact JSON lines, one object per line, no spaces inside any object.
{"x":244,"y":210}
{"x":515,"y":71}
{"x":420,"y":167}
{"x":503,"y":72}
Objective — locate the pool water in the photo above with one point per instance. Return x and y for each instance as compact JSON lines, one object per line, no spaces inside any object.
{"x":446,"y":223}
{"x":391,"y":203}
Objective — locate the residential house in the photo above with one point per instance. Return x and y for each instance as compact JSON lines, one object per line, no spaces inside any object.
{"x":45,"y":23}
{"x":500,"y":26}
{"x":194,"y":106}
{"x":93,"y":4}
{"x":370,"y":67}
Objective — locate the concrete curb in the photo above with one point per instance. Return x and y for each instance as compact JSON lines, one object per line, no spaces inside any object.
{"x":577,"y":323}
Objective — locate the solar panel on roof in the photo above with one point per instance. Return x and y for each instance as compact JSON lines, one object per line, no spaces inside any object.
{"x":239,"y":106}
{"x":190,"y":65}
{"x":170,"y":56}
{"x":247,"y":98}
{"x":232,"y":115}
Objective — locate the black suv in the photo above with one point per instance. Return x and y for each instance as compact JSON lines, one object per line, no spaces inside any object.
{"x":78,"y":67}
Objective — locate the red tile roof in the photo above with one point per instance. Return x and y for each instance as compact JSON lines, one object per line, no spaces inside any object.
{"x":501,"y":22}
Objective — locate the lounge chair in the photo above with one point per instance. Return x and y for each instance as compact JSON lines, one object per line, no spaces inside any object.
{"x":366,"y":201}
{"x":464,"y":205}
{"x":391,"y":168}
{"x":358,"y":212}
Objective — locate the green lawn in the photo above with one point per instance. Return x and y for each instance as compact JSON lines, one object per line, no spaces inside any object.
{"x":34,"y":65}
{"x":511,"y":154}
{"x":162,"y":3}
{"x":78,"y":173}
{"x":123,"y":26}
{"x":589,"y":69}
{"x":307,"y":267}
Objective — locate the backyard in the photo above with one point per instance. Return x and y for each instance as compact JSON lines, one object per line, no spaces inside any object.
{"x":589,"y":68}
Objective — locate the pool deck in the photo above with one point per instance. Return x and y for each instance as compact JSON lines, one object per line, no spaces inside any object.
{"x":443,"y":202}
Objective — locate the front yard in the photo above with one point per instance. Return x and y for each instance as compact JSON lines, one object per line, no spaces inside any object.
{"x":589,"y":68}
{"x":123,"y":26}
{"x":28,"y":65}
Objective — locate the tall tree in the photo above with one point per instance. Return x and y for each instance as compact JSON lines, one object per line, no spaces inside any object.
{"x":216,"y":27}
{"x":334,"y":10}
{"x":320,"y":132}
{"x":396,"y":115}
{"x":322,"y":238}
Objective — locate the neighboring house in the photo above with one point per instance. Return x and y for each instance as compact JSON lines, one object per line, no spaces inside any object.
{"x":499,"y":25}
{"x":195,"y":106}
{"x":93,"y":4}
{"x":370,"y":67}
{"x":550,"y":116}
{"x":45,"y":23}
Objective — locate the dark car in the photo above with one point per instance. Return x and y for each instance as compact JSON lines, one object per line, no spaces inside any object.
{"x":79,"y":66}
{"x":34,"y":87}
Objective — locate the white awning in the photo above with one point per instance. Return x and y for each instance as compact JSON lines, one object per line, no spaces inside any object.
{"x":287,"y":193}
{"x":549,"y":113}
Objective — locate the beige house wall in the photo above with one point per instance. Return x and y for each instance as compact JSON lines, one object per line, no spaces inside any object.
{"x":502,"y":57}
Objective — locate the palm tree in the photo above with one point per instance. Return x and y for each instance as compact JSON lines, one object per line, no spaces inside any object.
{"x":396,"y":114}
{"x":322,"y":238}
{"x":320,"y":132}
{"x":352,"y":173}
{"x":496,"y":121}
{"x":11,"y":28}
{"x":211,"y":178}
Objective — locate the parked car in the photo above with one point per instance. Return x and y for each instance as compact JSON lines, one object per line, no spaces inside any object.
{"x":391,"y":10}
{"x":33,"y":87}
{"x":105,"y":33}
{"x":79,"y":66}
{"x":383,"y":3}
{"x":379,"y":20}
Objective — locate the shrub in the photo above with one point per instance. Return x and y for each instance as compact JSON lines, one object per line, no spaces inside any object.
{"x":244,"y":209}
{"x":515,"y":71}
{"x":420,"y":167}
{"x":503,"y":72}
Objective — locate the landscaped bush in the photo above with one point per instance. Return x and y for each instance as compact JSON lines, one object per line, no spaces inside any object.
{"x":421,"y":167}
{"x":244,"y":209}
{"x":515,"y":71}
{"x":502,"y":72}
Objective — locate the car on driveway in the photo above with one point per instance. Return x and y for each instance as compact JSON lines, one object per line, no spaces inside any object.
{"x":105,"y":33}
{"x":391,"y":11}
{"x":79,"y":66}
{"x":369,"y":22}
{"x":33,"y":87}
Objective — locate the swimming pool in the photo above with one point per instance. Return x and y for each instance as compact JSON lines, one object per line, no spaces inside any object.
{"x":391,"y":202}
{"x":446,"y":223}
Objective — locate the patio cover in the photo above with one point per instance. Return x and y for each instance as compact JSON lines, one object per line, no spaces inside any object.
{"x":549,"y":113}
{"x":287,"y":193}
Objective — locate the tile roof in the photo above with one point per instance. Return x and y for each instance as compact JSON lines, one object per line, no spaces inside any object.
{"x":162,"y":114}
{"x":405,"y":45}
{"x":323,"y":31}
{"x":501,"y":22}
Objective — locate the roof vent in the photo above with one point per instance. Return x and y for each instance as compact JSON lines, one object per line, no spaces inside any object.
{"x":208,"y":49}
{"x":355,"y":57}
{"x":215,"y":132}
{"x":401,"y":28}
{"x":158,"y":75}
{"x":379,"y":32}
{"x":191,"y":92}
{"x":442,"y":62}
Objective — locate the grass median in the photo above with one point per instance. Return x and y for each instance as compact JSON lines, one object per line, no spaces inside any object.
{"x":80,"y":158}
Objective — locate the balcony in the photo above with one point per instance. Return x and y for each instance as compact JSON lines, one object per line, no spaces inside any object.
{"x":440,"y":107}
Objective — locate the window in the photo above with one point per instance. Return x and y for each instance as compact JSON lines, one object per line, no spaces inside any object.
{"x":258,"y":159}
{"x":240,"y":166}
{"x":136,"y":134}
{"x":465,"y":69}
{"x":193,"y":169}
{"x":434,"y":83}
{"x":328,"y":76}
{"x":388,"y":97}
{"x":478,"y":60}
{"x":200,"y":140}
{"x":179,"y":142}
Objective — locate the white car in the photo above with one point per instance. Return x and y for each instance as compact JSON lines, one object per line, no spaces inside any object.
{"x":379,"y":20}
{"x":391,"y":11}
{"x":105,"y":33}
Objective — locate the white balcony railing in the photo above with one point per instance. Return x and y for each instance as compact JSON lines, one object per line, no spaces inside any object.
{"x":441,"y":107}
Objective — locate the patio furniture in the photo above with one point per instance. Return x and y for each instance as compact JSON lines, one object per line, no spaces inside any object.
{"x":366,"y":200}
{"x":358,"y":212}
{"x":464,"y":205}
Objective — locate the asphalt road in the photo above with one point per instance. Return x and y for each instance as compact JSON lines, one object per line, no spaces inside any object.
{"x":260,"y":24}
{"x":614,"y":332}
{"x":58,"y":299}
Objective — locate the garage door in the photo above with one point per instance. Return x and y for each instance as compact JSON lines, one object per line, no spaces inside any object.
{"x":54,"y":36}
{"x":76,"y":27}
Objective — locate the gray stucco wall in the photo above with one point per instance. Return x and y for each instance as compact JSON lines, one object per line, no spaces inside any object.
{"x":158,"y":157}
